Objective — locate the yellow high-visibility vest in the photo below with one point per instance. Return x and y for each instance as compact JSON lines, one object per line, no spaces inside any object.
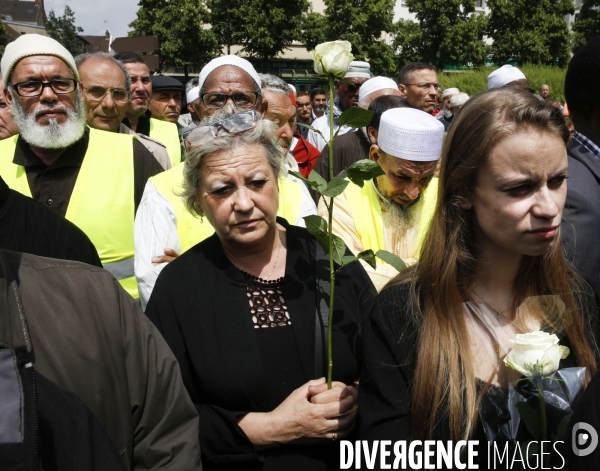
{"x":102,"y":203}
{"x":191,"y":229}
{"x":168,"y":134}
{"x":368,"y":218}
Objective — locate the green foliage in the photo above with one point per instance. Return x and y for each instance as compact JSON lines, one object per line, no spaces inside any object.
{"x":587,"y":24}
{"x":180,"y":27}
{"x":391,"y":259}
{"x":3,"y":41}
{"x":312,"y":29}
{"x":63,"y":29}
{"x":449,"y":32}
{"x":263,"y":28}
{"x":355,"y":117}
{"x":362,"y":23}
{"x":363,"y":170}
{"x":530,"y":32}
{"x":475,"y":81}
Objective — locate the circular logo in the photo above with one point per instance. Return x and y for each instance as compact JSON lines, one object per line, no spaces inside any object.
{"x":584,"y":438}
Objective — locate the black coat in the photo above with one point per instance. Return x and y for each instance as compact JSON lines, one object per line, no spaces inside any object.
{"x":581,"y":219}
{"x":200,"y":305}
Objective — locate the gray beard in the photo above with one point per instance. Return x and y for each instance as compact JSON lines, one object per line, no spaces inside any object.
{"x":52,"y":135}
{"x":398,"y":218}
{"x":444,"y":113}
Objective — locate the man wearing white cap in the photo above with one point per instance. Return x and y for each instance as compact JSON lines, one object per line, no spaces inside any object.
{"x":355,"y":145}
{"x":347,"y":91}
{"x":92,"y":177}
{"x":163,"y":227}
{"x":137,"y":115}
{"x":445,"y":115}
{"x":392,"y":212}
{"x":105,"y":84}
{"x":507,"y":76}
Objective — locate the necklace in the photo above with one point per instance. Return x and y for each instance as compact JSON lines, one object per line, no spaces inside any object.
{"x":276,"y":259}
{"x":498,"y":313}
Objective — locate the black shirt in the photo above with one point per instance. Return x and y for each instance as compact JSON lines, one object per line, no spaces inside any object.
{"x":28,"y":226}
{"x":52,"y":185}
{"x":143,"y":124}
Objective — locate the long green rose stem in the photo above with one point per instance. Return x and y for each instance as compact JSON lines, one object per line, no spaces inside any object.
{"x":330,"y":242}
{"x":540,"y":388}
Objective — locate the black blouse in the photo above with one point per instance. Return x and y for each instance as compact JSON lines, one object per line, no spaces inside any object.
{"x":200,"y":305}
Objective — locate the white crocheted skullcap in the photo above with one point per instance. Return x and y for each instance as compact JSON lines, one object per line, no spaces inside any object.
{"x":505,"y":74}
{"x":410,"y":134}
{"x":374,"y":85}
{"x":193,"y":95}
{"x":359,"y":69}
{"x":34,"y":45}
{"x":459,"y":99}
{"x":236,"y":61}
{"x":450,"y":91}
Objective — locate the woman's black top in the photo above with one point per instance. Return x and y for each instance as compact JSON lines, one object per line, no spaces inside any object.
{"x":200,"y":305}
{"x":390,"y":338}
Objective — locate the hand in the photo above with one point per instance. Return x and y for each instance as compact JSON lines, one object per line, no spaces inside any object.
{"x":310,"y":414}
{"x":169,"y":256}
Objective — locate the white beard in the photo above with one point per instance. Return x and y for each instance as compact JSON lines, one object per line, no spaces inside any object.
{"x":52,"y":135}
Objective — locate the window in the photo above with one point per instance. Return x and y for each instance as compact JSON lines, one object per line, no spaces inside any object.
{"x":480,"y":3}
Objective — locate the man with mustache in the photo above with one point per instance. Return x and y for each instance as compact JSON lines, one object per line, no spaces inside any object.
{"x":137,"y":115}
{"x":347,"y":91}
{"x":392,"y":211}
{"x":105,"y":84}
{"x":92,"y":177}
{"x":318,"y":101}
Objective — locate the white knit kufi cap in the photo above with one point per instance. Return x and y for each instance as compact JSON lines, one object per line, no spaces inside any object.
{"x":359,"y":69}
{"x":410,"y":134}
{"x":34,"y":45}
{"x":228,"y":60}
{"x":505,"y":74}
{"x":459,"y":99}
{"x":193,"y":95}
{"x":450,"y":91}
{"x":374,"y":85}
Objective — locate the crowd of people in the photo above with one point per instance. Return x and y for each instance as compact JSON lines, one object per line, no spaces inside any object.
{"x":164,"y":306}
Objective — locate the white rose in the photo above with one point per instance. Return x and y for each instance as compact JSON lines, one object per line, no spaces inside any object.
{"x":535,"y":354}
{"x":332,"y":58}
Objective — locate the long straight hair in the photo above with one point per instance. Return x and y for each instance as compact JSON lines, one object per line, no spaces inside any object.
{"x":444,"y":387}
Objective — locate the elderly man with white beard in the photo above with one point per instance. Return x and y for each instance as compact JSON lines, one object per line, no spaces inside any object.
{"x":92,"y":177}
{"x":392,"y":211}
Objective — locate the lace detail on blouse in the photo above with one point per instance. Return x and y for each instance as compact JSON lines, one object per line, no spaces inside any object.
{"x":267,"y":305}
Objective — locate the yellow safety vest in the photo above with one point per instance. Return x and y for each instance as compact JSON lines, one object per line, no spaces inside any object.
{"x":191,"y":229}
{"x":168,"y":134}
{"x":368,"y":218}
{"x":102,"y":203}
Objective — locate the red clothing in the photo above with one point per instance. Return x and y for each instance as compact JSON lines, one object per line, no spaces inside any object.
{"x":305,"y":154}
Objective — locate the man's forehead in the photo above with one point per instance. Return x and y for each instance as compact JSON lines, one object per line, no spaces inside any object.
{"x":90,"y":68}
{"x":30,"y":65}
{"x":320,"y":96}
{"x":303,"y":99}
{"x":279,"y":104}
{"x":411,"y":167}
{"x":137,"y":69}
{"x":228,"y":77}
{"x":424,"y":73}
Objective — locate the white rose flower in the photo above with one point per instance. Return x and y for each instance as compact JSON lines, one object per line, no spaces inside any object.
{"x":535,"y":354}
{"x":333,"y":57}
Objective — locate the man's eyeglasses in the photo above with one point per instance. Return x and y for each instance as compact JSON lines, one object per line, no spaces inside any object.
{"x":215,"y":101}
{"x":234,"y":124}
{"x":36,"y":88}
{"x":426,"y":86}
{"x":97,"y":93}
{"x":303,"y":105}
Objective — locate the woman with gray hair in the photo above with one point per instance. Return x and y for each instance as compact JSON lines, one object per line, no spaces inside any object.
{"x":242,"y":312}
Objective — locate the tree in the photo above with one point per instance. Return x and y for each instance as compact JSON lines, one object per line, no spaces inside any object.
{"x":449,"y":32}
{"x":587,"y":24}
{"x":184,"y":40}
{"x":63,"y":29}
{"x":362,"y":23}
{"x":3,"y":39}
{"x":532,"y":32}
{"x":263,"y":28}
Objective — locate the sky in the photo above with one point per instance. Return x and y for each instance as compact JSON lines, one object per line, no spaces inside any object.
{"x":97,"y":16}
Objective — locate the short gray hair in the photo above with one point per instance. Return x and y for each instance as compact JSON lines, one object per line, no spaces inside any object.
{"x":274,"y":84}
{"x":191,"y":84}
{"x":263,"y":134}
{"x":81,"y":58}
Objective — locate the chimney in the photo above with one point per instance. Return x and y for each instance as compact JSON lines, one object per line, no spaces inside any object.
{"x":107,"y":35}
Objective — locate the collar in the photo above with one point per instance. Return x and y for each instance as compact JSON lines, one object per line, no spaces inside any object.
{"x":71,"y":157}
{"x":587,"y":143}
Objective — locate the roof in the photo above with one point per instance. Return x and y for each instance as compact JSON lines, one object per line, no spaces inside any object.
{"x":21,"y":11}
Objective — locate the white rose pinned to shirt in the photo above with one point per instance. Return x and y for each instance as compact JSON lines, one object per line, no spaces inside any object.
{"x":333,"y":58}
{"x":536,"y":354}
